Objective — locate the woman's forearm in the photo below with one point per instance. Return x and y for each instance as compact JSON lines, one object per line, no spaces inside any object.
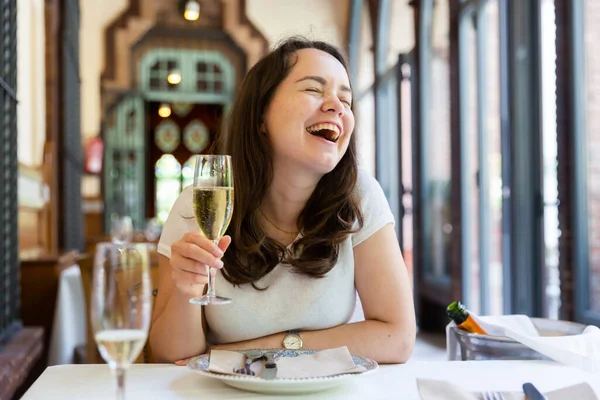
{"x":178,"y":332}
{"x":380,"y":341}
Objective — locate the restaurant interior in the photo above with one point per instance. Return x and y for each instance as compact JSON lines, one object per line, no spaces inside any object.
{"x":479,"y":119}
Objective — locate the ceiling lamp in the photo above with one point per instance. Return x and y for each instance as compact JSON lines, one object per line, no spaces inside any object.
{"x":164,"y":110}
{"x":192,"y":10}
{"x":174,"y":77}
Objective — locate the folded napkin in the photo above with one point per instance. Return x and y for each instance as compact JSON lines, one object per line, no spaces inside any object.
{"x":581,"y":351}
{"x":433,"y":389}
{"x":322,"y":363}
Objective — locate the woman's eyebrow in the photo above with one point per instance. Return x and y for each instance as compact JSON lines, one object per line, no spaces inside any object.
{"x":323,"y":81}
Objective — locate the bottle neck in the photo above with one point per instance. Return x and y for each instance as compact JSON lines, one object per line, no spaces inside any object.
{"x":457,"y":313}
{"x":459,"y":317}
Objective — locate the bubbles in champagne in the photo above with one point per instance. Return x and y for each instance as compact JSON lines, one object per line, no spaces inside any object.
{"x":120,"y":346}
{"x":213,"y":207}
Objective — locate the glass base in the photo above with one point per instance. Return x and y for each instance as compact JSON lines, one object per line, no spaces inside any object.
{"x":210,"y":301}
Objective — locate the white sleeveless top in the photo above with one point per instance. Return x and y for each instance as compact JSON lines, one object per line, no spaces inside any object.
{"x":292,"y":301}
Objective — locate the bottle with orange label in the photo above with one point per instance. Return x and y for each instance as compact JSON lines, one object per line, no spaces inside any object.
{"x":459,"y":314}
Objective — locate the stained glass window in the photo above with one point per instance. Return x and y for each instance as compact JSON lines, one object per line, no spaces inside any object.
{"x":188,"y":171}
{"x":167,"y":173}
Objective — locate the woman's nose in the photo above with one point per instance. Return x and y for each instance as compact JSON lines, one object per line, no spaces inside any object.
{"x":333,"y":104}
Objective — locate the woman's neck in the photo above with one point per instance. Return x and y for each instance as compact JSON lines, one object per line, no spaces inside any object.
{"x":285,"y":199}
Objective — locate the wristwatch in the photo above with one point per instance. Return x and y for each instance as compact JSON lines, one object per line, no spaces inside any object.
{"x":292,"y":341}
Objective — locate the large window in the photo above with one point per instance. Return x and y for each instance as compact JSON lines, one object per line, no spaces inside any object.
{"x":9,"y":263}
{"x":591,"y":149}
{"x":482,"y":161}
{"x":435,"y":146}
{"x":477,"y":152}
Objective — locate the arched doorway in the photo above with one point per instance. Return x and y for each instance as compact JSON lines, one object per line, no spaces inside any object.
{"x":155,"y":131}
{"x":144,"y":151}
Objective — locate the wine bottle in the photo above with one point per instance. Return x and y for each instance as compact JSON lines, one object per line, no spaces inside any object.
{"x":459,"y":314}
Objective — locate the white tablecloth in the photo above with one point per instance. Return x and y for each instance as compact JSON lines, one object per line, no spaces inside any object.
{"x":68,"y":330}
{"x":161,"y":381}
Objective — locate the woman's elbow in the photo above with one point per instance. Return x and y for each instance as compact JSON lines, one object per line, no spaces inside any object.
{"x":160,"y":351}
{"x":402,"y":347}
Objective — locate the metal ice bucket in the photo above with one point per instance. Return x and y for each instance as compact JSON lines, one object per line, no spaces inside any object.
{"x":485,"y":347}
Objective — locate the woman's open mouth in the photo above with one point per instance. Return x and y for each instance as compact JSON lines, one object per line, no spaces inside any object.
{"x":327,"y":131}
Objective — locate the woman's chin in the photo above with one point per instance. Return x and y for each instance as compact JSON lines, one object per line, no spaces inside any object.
{"x":311,"y":163}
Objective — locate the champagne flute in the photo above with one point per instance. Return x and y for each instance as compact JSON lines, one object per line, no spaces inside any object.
{"x":213,"y":206}
{"x":121,"y":229}
{"x":120,"y":305}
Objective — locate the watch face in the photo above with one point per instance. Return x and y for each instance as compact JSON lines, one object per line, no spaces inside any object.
{"x":292,"y":342}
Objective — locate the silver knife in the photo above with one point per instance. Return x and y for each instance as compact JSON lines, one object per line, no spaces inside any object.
{"x":270,"y":370}
{"x":532,"y":392}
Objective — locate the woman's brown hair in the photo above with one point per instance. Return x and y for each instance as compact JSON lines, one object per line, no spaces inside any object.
{"x":332,"y":212}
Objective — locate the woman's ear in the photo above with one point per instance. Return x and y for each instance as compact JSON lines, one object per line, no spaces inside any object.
{"x":262,"y":129}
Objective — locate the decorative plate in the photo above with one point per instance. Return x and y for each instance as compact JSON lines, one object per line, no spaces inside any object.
{"x":167,"y":136}
{"x":196,"y":136}
{"x":281,"y":386}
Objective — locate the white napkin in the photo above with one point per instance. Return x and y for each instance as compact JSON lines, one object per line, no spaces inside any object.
{"x":322,"y":363}
{"x":581,"y":351}
{"x":433,"y":389}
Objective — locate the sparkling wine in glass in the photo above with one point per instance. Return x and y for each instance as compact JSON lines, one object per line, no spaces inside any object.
{"x":213,"y":206}
{"x":120,"y":305}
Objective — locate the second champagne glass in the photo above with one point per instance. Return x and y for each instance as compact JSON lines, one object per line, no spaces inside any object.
{"x":213,"y":207}
{"x":121,"y":305}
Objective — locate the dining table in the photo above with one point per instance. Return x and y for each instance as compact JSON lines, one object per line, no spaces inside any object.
{"x":168,"y":381}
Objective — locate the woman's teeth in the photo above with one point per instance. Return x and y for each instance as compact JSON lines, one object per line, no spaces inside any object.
{"x":330,"y":132}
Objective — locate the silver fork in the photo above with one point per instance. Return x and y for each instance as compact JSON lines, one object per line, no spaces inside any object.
{"x":251,"y":357}
{"x":492,"y":396}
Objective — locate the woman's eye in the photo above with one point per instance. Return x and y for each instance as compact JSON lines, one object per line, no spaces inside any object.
{"x":315,"y":90}
{"x":346,"y":102}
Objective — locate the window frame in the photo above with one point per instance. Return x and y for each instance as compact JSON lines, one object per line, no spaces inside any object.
{"x":579,"y":172}
{"x":10,"y":292}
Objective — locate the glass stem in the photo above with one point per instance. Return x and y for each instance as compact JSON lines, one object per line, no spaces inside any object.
{"x":120,"y":373}
{"x":211,"y":279}
{"x":211,"y":283}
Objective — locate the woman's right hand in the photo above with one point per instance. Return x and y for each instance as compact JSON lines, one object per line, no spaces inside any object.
{"x":189,"y":258}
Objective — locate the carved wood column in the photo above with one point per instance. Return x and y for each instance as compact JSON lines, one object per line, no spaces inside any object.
{"x":50,"y":161}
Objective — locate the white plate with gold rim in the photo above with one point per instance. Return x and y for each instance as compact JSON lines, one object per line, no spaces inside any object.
{"x":257,"y":384}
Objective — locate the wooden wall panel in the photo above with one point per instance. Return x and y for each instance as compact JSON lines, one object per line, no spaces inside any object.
{"x":35,"y":237}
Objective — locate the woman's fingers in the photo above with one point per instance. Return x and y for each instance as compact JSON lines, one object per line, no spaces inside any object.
{"x":190,"y":257}
{"x":199,"y":240}
{"x":179,"y":262}
{"x":224,"y":242}
{"x":183,"y":362}
{"x":196,"y":253}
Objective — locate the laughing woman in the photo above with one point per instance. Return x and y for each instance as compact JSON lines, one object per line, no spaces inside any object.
{"x":309,"y":228}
